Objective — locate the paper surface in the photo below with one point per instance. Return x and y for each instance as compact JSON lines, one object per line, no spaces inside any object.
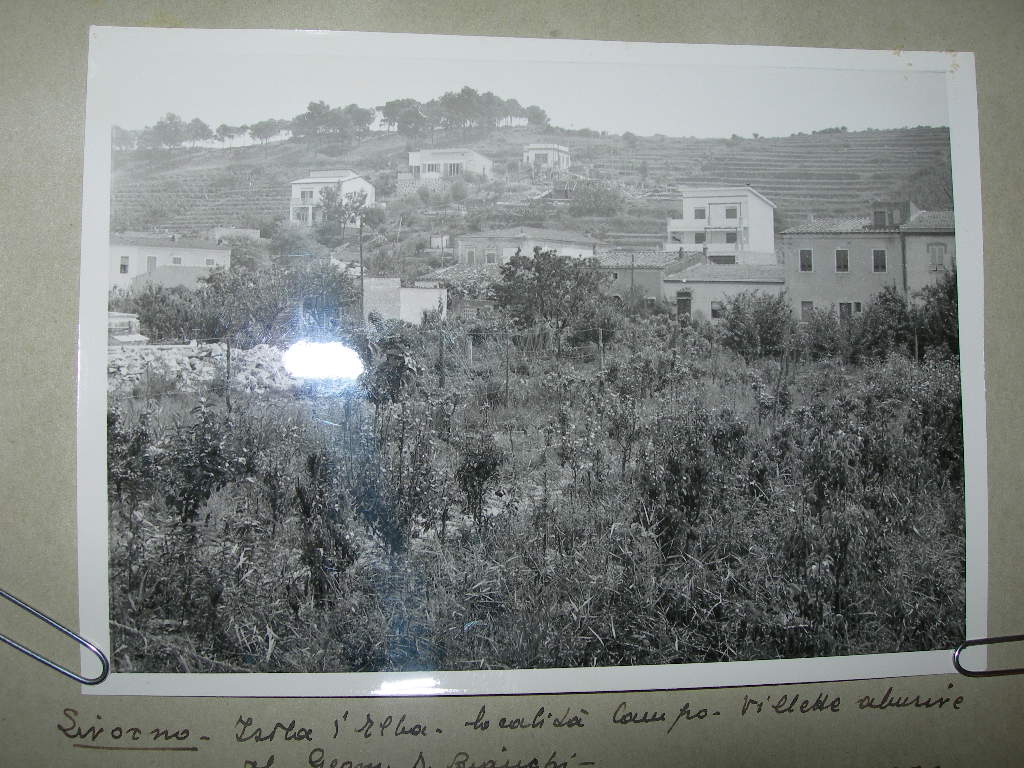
{"x":43,"y":408}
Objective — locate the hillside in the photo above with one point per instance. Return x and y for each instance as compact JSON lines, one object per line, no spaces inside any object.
{"x":819,"y":174}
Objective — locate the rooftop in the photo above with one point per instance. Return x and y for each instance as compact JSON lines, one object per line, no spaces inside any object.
{"x":923,"y":221}
{"x":732,"y":273}
{"x":639,"y":259}
{"x":835,"y":226}
{"x":319,"y":177}
{"x":722,"y":191}
{"x":168,"y":241}
{"x":534,"y":233}
{"x":930,"y":221}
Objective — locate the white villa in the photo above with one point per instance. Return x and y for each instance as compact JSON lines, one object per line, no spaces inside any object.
{"x":553,"y":156}
{"x":305,"y":199}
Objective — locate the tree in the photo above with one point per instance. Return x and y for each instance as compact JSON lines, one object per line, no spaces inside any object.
{"x":630,"y":139}
{"x":170,"y":131}
{"x":122,"y":140}
{"x":756,"y":324}
{"x":548,"y":288}
{"x":265,"y":130}
{"x":197,"y":131}
{"x":337,"y":212}
{"x":400,"y":114}
{"x":227,"y":132}
{"x":537,"y":117}
{"x":361,"y":119}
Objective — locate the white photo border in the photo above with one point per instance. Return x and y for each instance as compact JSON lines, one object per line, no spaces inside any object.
{"x":108,"y":62}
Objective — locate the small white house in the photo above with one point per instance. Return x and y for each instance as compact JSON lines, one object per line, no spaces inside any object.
{"x":552,"y":156}
{"x":448,"y":163}
{"x":725,"y":222}
{"x":305,"y":199}
{"x":169,"y":260}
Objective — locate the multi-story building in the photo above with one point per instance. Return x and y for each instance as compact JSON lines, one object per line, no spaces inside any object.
{"x":304,"y":205}
{"x":843,"y":263}
{"x":499,"y":245}
{"x":167,"y":260}
{"x":551,"y":156}
{"x":448,"y":163}
{"x":733,"y":225}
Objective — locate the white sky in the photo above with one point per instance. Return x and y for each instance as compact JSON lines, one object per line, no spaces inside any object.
{"x":238,"y":77}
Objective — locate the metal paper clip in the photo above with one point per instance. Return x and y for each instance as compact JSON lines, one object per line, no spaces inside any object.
{"x":986,"y":641}
{"x":52,"y":664}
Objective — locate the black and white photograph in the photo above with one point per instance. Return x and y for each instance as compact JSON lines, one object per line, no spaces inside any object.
{"x":430,"y":355}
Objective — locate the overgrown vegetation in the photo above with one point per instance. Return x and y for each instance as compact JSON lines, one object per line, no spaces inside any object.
{"x":508,"y":495}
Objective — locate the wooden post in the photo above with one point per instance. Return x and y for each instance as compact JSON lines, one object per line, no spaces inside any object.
{"x":507,"y":366}
{"x":469,"y":350}
{"x":600,"y":345}
{"x":227,"y":377}
{"x":440,"y":351}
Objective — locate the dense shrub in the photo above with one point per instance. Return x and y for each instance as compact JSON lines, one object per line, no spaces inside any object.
{"x":756,"y":324}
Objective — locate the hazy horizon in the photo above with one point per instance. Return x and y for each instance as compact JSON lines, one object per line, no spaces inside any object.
{"x":226,"y":77}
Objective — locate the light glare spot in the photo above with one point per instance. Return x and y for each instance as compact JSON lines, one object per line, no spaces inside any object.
{"x":322,"y":360}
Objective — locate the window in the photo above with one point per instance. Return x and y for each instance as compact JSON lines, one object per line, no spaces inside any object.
{"x":432,"y":168}
{"x":717,"y":310}
{"x":124,"y":265}
{"x":731,"y":212}
{"x":471,"y":256}
{"x":842,"y":260}
{"x":937,"y":257}
{"x":857,"y":308}
{"x":700,"y":213}
{"x":615,"y":275}
{"x":175,"y":259}
{"x":881,"y":218}
{"x":699,"y":237}
{"x":730,"y":237}
{"x":806,"y":260}
{"x":722,"y":258}
{"x":306,"y":195}
{"x":492,"y":256}
{"x":541,"y":158}
{"x":878,"y":259}
{"x":845,"y":310}
{"x":300,"y":214}
{"x":806,"y":307}
{"x":209,"y":262}
{"x":453,"y":169}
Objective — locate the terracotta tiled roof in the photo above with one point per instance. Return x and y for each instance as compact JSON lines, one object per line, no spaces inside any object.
{"x":930,"y":221}
{"x":638,"y":259}
{"x":844,"y":225}
{"x":731,"y":273}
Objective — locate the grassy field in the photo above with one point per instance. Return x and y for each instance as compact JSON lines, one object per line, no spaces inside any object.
{"x":530,"y":507}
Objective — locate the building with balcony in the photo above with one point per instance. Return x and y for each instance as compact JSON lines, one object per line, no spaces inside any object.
{"x":732,"y":225}
{"x":168,"y":260}
{"x":304,"y":205}
{"x":843,"y":263}
{"x":553,"y":157}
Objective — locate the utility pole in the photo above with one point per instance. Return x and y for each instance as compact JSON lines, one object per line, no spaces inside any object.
{"x":440,"y":346}
{"x":362,"y":276}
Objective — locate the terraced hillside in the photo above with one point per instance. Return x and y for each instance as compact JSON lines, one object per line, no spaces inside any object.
{"x":195,"y":189}
{"x":819,"y":174}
